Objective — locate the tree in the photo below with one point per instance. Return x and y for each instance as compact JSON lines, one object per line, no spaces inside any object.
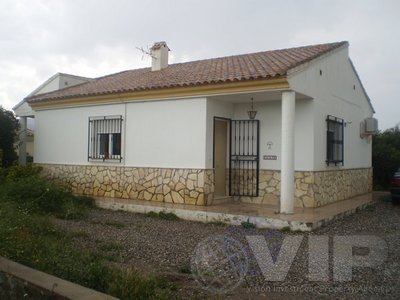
{"x":385,"y":156}
{"x":8,"y":133}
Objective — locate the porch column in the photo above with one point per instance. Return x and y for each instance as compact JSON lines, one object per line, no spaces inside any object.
{"x":287,"y":152}
{"x":22,"y":141}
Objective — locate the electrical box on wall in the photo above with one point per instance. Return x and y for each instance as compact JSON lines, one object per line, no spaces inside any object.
{"x":371,"y":125}
{"x":368,"y":126}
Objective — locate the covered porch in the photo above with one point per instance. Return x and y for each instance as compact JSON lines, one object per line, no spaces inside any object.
{"x":251,"y":146}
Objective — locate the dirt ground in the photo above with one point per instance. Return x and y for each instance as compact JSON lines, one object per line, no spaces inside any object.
{"x":186,"y":251}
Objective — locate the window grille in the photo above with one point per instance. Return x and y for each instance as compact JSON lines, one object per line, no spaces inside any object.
{"x":105,"y":138}
{"x":335,"y":140}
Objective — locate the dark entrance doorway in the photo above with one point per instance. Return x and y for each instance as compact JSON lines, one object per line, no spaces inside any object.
{"x":244,"y":158}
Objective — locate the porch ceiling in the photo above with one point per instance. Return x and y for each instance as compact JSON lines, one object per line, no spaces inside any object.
{"x":260,"y":96}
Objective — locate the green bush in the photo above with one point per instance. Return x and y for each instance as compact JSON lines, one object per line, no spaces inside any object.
{"x":8,"y":136}
{"x":36,"y":195}
{"x":385,"y":156}
{"x":17,"y":172}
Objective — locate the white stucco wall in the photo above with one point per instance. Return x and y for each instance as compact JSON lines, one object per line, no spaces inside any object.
{"x":65,"y":81}
{"x":52,"y":84}
{"x":24,"y":110}
{"x":155,"y":134}
{"x":58,"y":82}
{"x":336,"y":92}
{"x":61,"y":135}
{"x":166,"y":133}
{"x":269,"y":114}
{"x":179,"y":133}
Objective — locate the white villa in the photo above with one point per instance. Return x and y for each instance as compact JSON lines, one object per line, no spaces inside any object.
{"x":287,"y":127}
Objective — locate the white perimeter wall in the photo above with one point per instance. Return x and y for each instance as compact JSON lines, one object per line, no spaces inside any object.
{"x":168,"y":134}
{"x":334,"y":94}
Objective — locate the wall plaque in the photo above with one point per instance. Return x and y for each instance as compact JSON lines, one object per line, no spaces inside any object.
{"x":270,"y":157}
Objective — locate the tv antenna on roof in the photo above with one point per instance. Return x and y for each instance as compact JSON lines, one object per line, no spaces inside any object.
{"x":145,"y":52}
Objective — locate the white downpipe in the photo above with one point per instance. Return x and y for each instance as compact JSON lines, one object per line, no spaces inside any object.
{"x":287,"y":152}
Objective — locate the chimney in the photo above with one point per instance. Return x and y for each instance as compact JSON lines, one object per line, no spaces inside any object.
{"x":159,"y":56}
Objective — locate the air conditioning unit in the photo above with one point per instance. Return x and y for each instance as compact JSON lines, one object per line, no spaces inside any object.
{"x":368,"y":126}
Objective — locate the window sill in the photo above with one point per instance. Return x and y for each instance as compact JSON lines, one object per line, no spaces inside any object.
{"x":105,"y":160}
{"x":336,"y":163}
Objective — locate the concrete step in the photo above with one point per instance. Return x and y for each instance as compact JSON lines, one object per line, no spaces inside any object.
{"x":221,"y":199}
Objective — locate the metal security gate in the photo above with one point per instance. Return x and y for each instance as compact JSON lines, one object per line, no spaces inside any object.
{"x":244,"y":158}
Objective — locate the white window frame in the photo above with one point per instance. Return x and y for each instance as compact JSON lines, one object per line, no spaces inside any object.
{"x":98,"y":127}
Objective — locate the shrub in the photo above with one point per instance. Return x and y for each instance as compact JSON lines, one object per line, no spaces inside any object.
{"x":248,"y":224}
{"x":8,"y":136}
{"x":385,"y":156}
{"x":36,"y":195}
{"x":17,"y":172}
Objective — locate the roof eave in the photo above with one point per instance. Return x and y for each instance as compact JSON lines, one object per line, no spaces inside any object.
{"x":203,"y":90}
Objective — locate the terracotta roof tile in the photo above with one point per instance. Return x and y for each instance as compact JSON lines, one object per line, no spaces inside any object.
{"x":267,"y":64}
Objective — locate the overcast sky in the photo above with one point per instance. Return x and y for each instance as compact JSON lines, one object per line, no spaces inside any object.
{"x":39,"y":38}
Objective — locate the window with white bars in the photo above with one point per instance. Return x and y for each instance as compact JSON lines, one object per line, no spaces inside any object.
{"x":335,"y":140}
{"x":105,"y":138}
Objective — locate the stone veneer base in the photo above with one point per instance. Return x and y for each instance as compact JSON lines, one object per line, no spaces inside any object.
{"x":314,"y":188}
{"x":184,"y":186}
{"x":196,"y":186}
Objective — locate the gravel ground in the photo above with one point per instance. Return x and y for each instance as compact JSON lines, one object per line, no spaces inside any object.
{"x":154,"y":245}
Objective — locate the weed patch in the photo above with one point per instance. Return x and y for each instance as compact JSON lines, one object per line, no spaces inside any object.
{"x":247,"y":224}
{"x":35,"y":195}
{"x":115,"y":224}
{"x":163,"y":215}
{"x":185,"y":269}
{"x":27,"y":204}
{"x":110,"y":246}
{"x":129,"y":284}
{"x":217,"y":223}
